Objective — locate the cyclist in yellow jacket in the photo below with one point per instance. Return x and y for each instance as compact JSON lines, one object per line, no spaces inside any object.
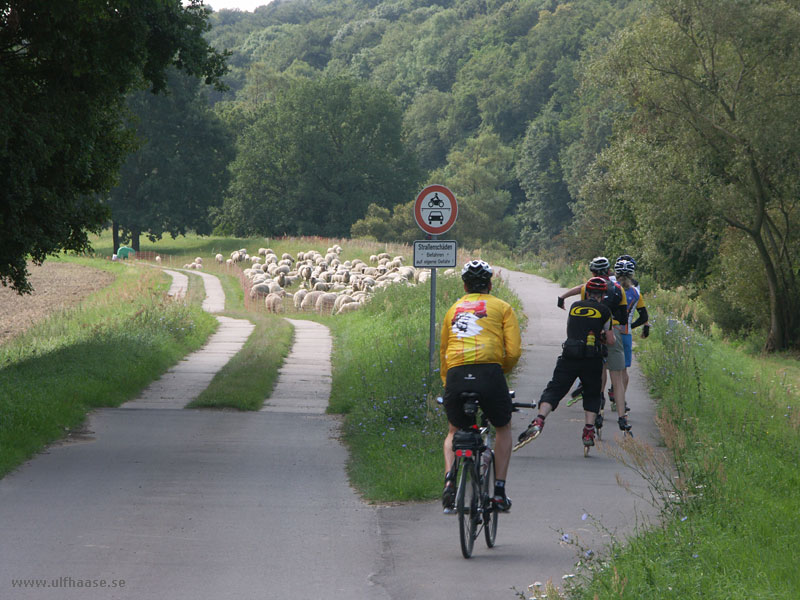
{"x":480,"y":342}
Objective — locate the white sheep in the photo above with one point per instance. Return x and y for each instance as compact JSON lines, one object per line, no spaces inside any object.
{"x":298,"y":298}
{"x":310,"y":300}
{"x":349,"y":307}
{"x":325,"y":303}
{"x":274,"y":303}
{"x":219,"y":258}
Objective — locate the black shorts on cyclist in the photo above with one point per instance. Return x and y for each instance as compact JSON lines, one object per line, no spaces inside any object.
{"x":486,"y":379}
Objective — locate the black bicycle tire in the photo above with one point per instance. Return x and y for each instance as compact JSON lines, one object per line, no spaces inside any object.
{"x":465,"y":507}
{"x":490,"y":513}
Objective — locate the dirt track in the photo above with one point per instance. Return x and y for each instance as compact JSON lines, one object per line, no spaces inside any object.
{"x":56,"y":285}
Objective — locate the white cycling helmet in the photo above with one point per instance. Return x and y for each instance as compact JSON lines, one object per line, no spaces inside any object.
{"x":599,"y":264}
{"x":624,"y":267}
{"x":476,"y":271}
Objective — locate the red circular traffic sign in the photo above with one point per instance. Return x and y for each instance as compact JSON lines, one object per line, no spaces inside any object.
{"x":436,"y":209}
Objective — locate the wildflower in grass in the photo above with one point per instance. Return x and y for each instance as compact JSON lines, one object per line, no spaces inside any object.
{"x":684,"y":518}
{"x":588,"y":554}
{"x":584,"y":516}
{"x":565,"y":537}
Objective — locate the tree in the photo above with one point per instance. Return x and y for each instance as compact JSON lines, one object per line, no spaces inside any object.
{"x":547,"y":208}
{"x":179,"y":174}
{"x":480,"y":174}
{"x":65,"y":68}
{"x":316,"y":158}
{"x":713,"y":88}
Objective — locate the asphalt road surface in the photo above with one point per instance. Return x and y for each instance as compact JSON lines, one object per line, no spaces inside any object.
{"x":216,"y":504}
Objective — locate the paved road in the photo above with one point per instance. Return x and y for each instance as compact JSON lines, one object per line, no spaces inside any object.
{"x":195,"y":504}
{"x":220,"y":504}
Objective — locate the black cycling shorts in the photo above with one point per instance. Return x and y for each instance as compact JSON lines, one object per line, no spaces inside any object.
{"x":487,"y":380}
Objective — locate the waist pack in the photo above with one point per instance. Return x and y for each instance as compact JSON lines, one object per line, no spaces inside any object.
{"x":579,"y":349}
{"x":467,"y":440}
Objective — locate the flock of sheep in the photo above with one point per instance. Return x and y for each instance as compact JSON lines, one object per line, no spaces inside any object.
{"x":326,"y":284}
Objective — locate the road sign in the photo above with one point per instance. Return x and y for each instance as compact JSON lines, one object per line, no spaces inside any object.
{"x":436,"y":209}
{"x":434,"y":254}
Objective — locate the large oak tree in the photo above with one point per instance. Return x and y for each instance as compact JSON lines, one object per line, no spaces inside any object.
{"x":65,"y":69}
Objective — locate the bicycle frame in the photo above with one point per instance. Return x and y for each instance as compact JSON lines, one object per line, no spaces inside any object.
{"x":474,"y":472}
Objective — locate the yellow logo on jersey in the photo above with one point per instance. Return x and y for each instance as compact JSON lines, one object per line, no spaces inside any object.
{"x":585,"y":311}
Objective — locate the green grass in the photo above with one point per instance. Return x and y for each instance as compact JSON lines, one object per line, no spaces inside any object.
{"x":249,"y":377}
{"x":119,"y":340}
{"x":182,"y":249}
{"x":381,"y":382}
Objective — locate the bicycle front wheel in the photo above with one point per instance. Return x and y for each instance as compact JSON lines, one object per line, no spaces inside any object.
{"x":490,"y":513}
{"x":467,"y":507}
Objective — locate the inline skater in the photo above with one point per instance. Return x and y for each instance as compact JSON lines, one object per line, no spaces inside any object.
{"x":588,"y":329}
{"x":616,"y":300}
{"x":625,"y":270}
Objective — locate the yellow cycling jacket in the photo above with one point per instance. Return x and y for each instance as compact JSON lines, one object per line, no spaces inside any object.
{"x":479,"y":328}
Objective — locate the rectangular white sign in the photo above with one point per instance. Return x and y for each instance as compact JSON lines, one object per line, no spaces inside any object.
{"x":430,"y":254}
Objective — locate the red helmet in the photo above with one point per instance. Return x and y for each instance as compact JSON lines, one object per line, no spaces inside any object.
{"x":596,"y":284}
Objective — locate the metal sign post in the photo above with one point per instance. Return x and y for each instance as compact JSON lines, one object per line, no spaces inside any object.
{"x":435,"y":211}
{"x":432,"y":338}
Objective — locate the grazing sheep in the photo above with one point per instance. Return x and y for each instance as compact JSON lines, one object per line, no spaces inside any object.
{"x":274,"y":303}
{"x":325,"y":302}
{"x":310,"y":300}
{"x":349,"y":307}
{"x":341,"y":299}
{"x":158,"y":259}
{"x":298,"y":298}
{"x":260,"y":290}
{"x":219,"y":258}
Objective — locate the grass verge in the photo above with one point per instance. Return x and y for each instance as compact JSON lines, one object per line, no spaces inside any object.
{"x":248,"y":378}
{"x":119,"y":340}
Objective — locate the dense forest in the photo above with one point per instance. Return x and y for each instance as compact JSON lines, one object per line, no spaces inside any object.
{"x":661,"y":128}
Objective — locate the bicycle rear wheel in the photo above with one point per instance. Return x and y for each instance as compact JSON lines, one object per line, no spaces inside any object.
{"x":467,"y":507}
{"x":490,"y":513}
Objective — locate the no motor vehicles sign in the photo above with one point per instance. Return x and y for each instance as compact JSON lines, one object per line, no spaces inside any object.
{"x":436,"y":209}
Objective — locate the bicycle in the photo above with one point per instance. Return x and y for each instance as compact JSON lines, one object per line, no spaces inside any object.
{"x":474,"y":472}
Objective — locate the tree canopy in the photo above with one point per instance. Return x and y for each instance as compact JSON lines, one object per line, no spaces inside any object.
{"x":65,"y":68}
{"x":313,"y":160}
{"x":706,"y":153}
{"x":179,"y":173}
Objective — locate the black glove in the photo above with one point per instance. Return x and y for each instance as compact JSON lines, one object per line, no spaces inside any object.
{"x":645,"y":331}
{"x":560,"y":302}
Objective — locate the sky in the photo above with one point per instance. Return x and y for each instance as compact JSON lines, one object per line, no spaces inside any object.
{"x":248,"y":5}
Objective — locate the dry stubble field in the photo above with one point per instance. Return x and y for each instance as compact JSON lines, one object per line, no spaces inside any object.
{"x":56,"y":285}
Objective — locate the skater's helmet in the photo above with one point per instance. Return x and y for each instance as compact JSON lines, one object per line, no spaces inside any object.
{"x":599,"y":264}
{"x":624,"y":267}
{"x":596,"y":285}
